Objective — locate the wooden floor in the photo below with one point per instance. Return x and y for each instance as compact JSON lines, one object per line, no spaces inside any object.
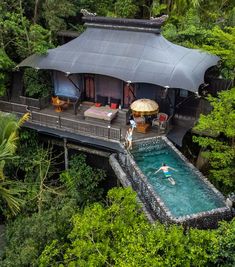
{"x":69,"y":113}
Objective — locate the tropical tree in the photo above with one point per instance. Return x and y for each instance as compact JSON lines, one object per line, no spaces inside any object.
{"x":220,"y":151}
{"x":19,"y":38}
{"x":82,"y":182}
{"x":27,"y":236}
{"x":226,"y":237}
{"x":37,"y":83}
{"x":115,"y":234}
{"x":193,"y":32}
{"x":125,"y":8}
{"x":5,"y":66}
{"x":41,"y":188}
{"x":23,"y":36}
{"x":119,"y":235}
{"x":36,"y":166}
{"x":55,"y":13}
{"x":9,"y":126}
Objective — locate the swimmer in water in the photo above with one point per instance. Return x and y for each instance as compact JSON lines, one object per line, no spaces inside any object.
{"x":166,"y":172}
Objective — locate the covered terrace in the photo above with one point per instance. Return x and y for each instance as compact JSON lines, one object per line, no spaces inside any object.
{"x":120,"y":60}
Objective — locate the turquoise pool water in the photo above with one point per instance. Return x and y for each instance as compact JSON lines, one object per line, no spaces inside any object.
{"x":189,"y":195}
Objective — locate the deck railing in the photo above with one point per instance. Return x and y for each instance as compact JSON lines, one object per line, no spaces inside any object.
{"x":63,"y":123}
{"x":34,"y":102}
{"x":12,"y":107}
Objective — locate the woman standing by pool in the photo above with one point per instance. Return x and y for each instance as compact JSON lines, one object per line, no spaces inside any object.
{"x":166,"y":172}
{"x":129,"y":138}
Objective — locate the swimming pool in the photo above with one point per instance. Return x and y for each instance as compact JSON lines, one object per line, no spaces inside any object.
{"x":192,"y":201}
{"x":190,"y":194}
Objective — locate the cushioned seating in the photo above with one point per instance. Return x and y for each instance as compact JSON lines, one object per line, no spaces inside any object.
{"x":114,"y":102}
{"x":160,"y":121}
{"x":100,"y":113}
{"x":113,"y":105}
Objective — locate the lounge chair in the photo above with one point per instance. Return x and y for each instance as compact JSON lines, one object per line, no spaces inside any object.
{"x":160,"y":121}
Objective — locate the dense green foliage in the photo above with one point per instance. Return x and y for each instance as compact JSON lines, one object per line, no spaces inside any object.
{"x":195,"y":33}
{"x":21,"y":38}
{"x":5,"y":65}
{"x":226,"y":236}
{"x":220,"y":150}
{"x":37,"y":83}
{"x":27,"y":236}
{"x":119,"y":235}
{"x":83,"y":179}
{"x":48,"y":202}
{"x":40,"y":170}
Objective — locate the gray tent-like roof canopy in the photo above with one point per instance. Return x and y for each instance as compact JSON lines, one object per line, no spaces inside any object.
{"x":128,"y":53}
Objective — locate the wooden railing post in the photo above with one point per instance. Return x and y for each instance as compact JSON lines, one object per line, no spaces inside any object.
{"x":59,"y":121}
{"x":109,"y":131}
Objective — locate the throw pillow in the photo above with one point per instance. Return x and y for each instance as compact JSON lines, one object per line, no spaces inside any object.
{"x":98,"y":105}
{"x":113,"y":105}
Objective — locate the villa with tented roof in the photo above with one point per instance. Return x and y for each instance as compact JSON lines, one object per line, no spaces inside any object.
{"x":115,"y":70}
{"x":121,"y":60}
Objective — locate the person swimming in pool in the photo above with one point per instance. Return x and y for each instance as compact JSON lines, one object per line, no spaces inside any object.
{"x":166,"y":172}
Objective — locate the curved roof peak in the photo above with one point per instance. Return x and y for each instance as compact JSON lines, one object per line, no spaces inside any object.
{"x":152,"y":25}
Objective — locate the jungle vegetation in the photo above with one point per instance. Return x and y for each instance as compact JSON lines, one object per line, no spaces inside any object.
{"x":55,"y":217}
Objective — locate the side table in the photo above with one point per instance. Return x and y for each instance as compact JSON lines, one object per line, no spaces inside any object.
{"x":142,"y":127}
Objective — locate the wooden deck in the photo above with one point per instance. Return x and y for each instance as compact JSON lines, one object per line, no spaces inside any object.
{"x":69,"y":122}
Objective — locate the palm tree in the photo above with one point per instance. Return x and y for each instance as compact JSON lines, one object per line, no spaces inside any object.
{"x":9,"y":126}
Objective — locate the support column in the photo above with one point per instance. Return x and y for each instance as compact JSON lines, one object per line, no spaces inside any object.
{"x":66,"y":162}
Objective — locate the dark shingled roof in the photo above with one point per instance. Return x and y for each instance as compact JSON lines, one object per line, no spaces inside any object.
{"x":130,"y":50}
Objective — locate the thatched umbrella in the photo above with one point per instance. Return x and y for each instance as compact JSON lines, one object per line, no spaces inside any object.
{"x":144,"y":106}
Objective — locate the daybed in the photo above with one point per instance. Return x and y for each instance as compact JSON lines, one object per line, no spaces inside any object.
{"x":100,"y":113}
